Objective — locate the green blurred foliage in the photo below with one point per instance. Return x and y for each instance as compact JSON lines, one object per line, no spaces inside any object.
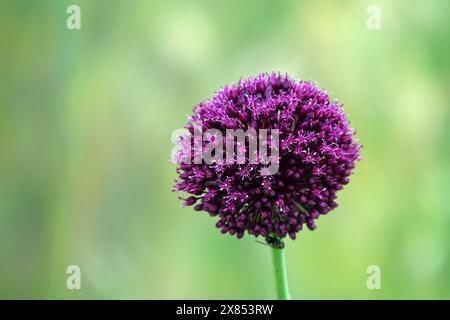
{"x":86,"y":118}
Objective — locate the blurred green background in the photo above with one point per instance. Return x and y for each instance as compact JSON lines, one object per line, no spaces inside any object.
{"x":86,"y":118}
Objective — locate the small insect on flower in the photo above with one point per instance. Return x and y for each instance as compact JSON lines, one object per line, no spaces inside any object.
{"x":273,"y":242}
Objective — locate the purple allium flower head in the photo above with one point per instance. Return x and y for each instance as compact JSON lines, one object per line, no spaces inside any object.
{"x":317,"y":154}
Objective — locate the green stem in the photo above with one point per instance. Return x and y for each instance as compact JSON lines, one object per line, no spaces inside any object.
{"x":280,"y":274}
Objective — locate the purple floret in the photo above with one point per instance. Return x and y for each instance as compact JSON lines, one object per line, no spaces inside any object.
{"x":317,"y":154}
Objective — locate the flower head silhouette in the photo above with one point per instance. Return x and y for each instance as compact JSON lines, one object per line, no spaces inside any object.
{"x":316,"y":156}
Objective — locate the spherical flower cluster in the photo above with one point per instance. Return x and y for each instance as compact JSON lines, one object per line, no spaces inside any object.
{"x":317,"y":154}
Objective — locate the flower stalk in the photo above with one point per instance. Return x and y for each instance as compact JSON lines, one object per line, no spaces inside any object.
{"x":279,"y":264}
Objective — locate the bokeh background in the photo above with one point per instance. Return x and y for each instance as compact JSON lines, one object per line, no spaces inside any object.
{"x":86,"y":118}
